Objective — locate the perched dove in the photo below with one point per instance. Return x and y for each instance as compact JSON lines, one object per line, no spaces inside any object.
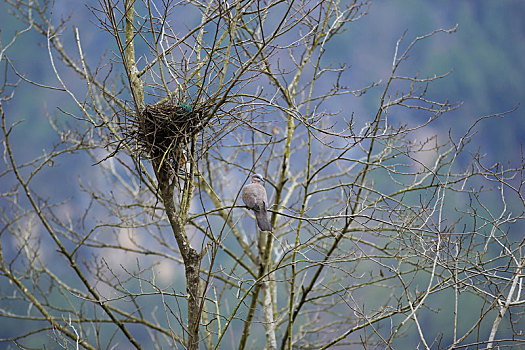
{"x":254,"y":196}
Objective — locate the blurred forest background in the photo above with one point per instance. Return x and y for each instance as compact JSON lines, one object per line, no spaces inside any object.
{"x":486,"y":56}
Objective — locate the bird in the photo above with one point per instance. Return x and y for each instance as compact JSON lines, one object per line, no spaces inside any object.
{"x":185,"y":107}
{"x":184,"y":163}
{"x":255,"y":198}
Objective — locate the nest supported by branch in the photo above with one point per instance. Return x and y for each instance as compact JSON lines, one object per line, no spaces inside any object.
{"x":161,"y":132}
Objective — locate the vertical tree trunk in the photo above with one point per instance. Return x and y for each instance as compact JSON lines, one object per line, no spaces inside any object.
{"x":137,"y":87}
{"x":269,"y":320}
{"x":176,"y":217}
{"x":192,"y":264}
{"x":190,"y":256}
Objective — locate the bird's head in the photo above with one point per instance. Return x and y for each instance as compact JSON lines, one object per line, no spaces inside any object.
{"x":257,"y":178}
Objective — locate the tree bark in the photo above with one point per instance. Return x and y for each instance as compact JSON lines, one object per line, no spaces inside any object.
{"x":190,"y":256}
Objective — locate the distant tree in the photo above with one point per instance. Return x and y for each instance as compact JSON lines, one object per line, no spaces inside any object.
{"x":376,"y":223}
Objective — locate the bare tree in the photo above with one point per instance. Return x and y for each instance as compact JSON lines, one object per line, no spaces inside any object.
{"x":378,"y":225}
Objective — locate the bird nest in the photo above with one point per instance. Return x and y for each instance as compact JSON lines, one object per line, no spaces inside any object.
{"x":162,"y":131}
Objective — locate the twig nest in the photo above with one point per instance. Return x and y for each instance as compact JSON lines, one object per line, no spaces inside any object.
{"x":161,"y":131}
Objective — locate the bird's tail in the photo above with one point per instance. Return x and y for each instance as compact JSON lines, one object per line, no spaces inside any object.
{"x":262,"y":220}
